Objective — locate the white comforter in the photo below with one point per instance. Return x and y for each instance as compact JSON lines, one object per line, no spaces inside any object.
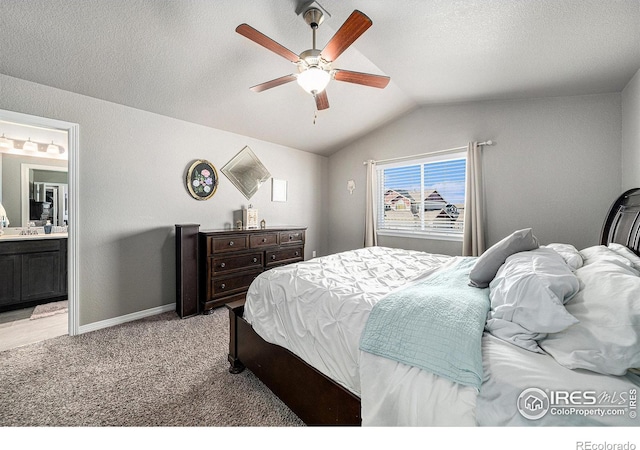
{"x":318,"y":308}
{"x":509,"y":370}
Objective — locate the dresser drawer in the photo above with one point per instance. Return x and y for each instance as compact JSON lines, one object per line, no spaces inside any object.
{"x":228,"y":244}
{"x":221,"y":286}
{"x":230,"y":262}
{"x":292,"y":237}
{"x":284,"y":256}
{"x":263,"y":240}
{"x":232,"y":259}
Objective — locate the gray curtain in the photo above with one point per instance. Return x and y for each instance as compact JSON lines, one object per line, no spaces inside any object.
{"x":473,"y":243}
{"x":370,"y":234}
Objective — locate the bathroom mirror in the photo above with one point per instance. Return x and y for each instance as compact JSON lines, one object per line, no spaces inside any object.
{"x":45,"y":194}
{"x":19,"y":174}
{"x":246,"y":172}
{"x":21,"y":169}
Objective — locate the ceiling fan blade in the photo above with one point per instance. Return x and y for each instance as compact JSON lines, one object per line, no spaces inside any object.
{"x":268,"y":43}
{"x":351,"y":29}
{"x":366,"y":79}
{"x":273,"y":83}
{"x":322,"y":101}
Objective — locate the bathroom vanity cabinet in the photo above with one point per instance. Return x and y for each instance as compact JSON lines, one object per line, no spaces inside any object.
{"x":33,"y":271}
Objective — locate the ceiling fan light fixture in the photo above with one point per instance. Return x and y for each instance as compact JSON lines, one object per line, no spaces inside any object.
{"x":314,"y":80}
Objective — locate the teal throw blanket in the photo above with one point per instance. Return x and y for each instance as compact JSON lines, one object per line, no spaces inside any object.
{"x":435,"y":324}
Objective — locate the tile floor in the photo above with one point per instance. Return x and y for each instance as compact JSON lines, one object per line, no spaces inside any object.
{"x":16,"y":329}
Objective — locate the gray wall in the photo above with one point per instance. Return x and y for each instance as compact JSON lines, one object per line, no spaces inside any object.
{"x":48,"y":176}
{"x":631,"y":134}
{"x":132,"y":165}
{"x":555,"y":166}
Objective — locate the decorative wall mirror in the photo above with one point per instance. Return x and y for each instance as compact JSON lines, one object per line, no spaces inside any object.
{"x":246,"y":172}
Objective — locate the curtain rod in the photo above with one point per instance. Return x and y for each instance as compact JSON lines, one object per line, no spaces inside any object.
{"x":448,"y":150}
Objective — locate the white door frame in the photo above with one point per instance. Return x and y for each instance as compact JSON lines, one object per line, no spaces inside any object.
{"x":73,"y":145}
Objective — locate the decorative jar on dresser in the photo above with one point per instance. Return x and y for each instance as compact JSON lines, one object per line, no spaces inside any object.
{"x":229,"y":260}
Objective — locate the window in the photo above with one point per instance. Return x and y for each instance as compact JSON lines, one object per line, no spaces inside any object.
{"x":422,"y":198}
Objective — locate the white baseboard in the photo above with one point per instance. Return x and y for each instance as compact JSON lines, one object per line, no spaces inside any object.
{"x":127,"y":318}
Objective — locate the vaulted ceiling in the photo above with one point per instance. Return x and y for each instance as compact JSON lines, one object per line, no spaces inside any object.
{"x":183,"y":58}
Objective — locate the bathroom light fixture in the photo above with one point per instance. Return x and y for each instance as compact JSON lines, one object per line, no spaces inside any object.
{"x":54,"y":148}
{"x":30,"y":146}
{"x":5,"y":142}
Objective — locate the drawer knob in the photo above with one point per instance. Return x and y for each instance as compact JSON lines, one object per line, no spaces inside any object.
{"x":290,"y":237}
{"x":222,"y":265}
{"x":264,"y":239}
{"x":297,"y":253}
{"x":255,"y":260}
{"x":273,"y":257}
{"x":231,"y":243}
{"x":222,"y":286}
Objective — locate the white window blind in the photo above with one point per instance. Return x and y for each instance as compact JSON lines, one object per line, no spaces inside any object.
{"x":422,"y":198}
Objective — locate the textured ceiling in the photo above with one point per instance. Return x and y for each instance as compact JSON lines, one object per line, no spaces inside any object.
{"x":183,"y":58}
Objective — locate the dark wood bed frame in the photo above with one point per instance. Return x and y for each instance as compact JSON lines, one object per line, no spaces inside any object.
{"x":318,"y":400}
{"x":622,"y":224}
{"x":312,"y":396}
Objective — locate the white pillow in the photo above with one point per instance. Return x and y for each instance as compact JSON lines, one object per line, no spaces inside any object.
{"x":627,"y":253}
{"x":607,"y":339}
{"x":527,"y":298}
{"x":603,"y":253}
{"x":569,"y":253}
{"x":490,"y":261}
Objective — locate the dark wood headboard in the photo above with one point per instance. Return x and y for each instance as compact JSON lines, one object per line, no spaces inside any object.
{"x":622,"y":224}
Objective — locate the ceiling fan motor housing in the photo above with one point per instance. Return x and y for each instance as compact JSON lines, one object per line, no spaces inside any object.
{"x":312,"y":58}
{"x":313,"y":17}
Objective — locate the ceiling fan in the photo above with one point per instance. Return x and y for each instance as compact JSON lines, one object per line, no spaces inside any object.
{"x":315,"y":66}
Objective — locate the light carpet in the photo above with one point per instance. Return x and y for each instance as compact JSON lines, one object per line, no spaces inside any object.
{"x":158,"y":371}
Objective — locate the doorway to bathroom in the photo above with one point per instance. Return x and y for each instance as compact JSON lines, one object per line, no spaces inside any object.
{"x":38,"y":153}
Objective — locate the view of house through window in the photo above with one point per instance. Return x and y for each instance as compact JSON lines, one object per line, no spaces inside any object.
{"x":422,"y":197}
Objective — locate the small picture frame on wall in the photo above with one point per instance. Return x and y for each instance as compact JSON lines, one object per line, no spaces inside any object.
{"x":202,"y":180}
{"x":278,"y":190}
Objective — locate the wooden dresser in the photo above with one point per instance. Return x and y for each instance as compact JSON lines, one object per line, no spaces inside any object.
{"x":231,"y":259}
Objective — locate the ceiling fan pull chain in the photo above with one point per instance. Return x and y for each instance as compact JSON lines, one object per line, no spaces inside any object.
{"x":315,"y":115}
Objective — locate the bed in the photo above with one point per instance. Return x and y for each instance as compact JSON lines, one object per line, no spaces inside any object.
{"x":341,"y":338}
